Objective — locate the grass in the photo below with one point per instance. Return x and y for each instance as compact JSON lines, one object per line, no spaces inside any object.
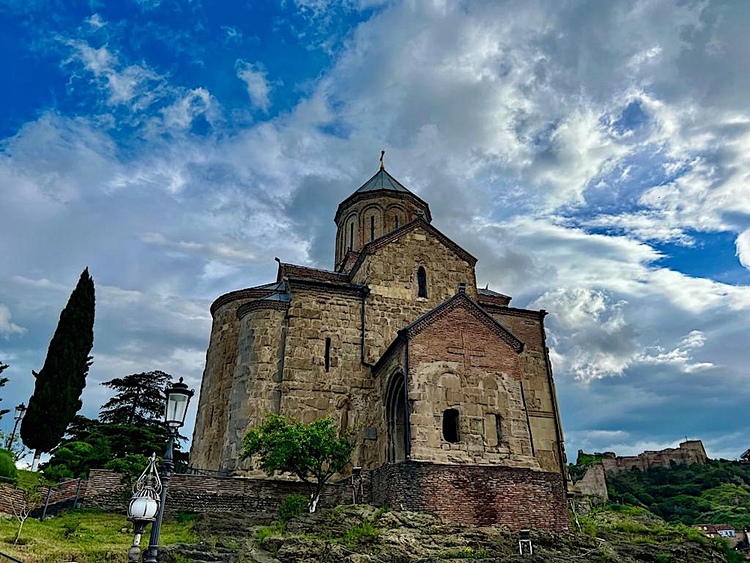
{"x":463,"y":553}
{"x":85,"y":536}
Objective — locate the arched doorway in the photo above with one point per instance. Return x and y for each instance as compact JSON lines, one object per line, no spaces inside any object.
{"x":396,"y":418}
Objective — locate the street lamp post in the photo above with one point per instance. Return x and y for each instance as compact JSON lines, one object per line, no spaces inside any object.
{"x":19,"y":412}
{"x":143,"y":506}
{"x":178,"y":398}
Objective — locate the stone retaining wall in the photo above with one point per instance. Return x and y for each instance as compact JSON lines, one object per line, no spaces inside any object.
{"x":201,"y":493}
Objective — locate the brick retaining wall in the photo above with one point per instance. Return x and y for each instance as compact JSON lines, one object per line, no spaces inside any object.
{"x":475,"y":495}
{"x":201,"y":493}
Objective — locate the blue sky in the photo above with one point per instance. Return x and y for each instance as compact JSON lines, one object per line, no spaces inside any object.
{"x":592,"y":155}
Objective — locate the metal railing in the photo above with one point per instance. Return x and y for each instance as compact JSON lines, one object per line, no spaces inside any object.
{"x":6,"y":557}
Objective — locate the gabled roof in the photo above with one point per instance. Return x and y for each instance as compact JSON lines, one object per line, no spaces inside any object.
{"x":463,"y":300}
{"x":460,"y":300}
{"x":371,"y":247}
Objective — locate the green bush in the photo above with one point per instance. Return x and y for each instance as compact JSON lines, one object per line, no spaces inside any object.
{"x":291,"y":507}
{"x":364,"y":532}
{"x":8,"y":471}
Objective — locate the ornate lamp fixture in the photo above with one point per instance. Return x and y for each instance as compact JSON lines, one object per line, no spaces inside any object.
{"x":178,"y":399}
{"x":143,"y":505}
{"x":18,"y":415}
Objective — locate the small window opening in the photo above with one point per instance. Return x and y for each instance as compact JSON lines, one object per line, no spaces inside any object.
{"x":499,"y":427}
{"x":351,"y":236}
{"x":450,"y":425}
{"x":421,"y":282}
{"x":395,"y":222}
{"x":328,"y":354}
{"x":372,"y":227}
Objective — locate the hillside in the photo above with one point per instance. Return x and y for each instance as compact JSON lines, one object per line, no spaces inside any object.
{"x":717,"y":492}
{"x":364,"y":534}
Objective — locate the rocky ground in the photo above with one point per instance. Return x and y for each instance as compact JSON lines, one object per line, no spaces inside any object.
{"x":364,"y":534}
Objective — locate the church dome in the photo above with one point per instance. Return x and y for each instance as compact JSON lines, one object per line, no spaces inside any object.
{"x":381,"y":205}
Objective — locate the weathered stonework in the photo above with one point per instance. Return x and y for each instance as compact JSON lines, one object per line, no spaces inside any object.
{"x":397,"y":342}
{"x":690,"y":451}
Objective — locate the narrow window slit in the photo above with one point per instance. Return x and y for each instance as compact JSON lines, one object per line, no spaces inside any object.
{"x":328,"y":354}
{"x":450,"y":426}
{"x":421,"y":282}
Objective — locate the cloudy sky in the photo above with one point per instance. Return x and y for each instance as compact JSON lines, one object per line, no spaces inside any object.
{"x":595,"y":157}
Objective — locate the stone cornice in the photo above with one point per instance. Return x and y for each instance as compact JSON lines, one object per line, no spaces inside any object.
{"x":247,"y":293}
{"x":513,"y":311}
{"x":325,"y":285}
{"x":356,"y":197}
{"x":259,"y":304}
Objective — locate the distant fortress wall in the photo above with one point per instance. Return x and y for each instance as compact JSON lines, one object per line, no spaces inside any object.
{"x":690,"y":451}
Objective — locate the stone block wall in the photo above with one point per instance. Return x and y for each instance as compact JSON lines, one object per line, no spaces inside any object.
{"x":593,"y":482}
{"x":203,"y":494}
{"x":212,"y":416}
{"x":538,"y":386}
{"x":391,"y":274}
{"x":458,"y":363}
{"x":475,"y":495}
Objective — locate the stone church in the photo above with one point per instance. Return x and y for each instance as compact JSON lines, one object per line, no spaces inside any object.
{"x":449,"y":387}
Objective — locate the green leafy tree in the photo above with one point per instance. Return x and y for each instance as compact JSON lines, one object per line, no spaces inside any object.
{"x":3,"y":381}
{"x":60,"y":382}
{"x":313,"y":452}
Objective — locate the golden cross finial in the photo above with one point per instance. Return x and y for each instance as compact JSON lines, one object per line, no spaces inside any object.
{"x":382,"y":164}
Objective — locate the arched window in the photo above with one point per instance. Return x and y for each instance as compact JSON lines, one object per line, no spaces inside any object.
{"x":372,"y":227}
{"x":421,"y":282}
{"x":450,"y":425}
{"x":351,"y":235}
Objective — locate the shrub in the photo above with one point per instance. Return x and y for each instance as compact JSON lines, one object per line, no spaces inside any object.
{"x":357,"y":534}
{"x":291,"y":507}
{"x":8,"y":471}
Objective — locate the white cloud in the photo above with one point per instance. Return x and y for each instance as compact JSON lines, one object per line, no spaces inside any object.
{"x":133,"y":85}
{"x":681,"y":356}
{"x":8,"y":327}
{"x":743,"y":248}
{"x":258,"y":88}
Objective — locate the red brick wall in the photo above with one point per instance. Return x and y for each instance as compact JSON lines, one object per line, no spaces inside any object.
{"x":475,"y":495}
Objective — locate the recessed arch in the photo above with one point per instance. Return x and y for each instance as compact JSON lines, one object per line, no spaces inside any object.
{"x":395,"y":410}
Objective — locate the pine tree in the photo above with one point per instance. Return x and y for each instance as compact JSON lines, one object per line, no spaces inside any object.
{"x":60,"y":382}
{"x":139,"y":399}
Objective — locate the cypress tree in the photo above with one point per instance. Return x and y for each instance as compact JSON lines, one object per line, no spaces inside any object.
{"x":60,"y":382}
